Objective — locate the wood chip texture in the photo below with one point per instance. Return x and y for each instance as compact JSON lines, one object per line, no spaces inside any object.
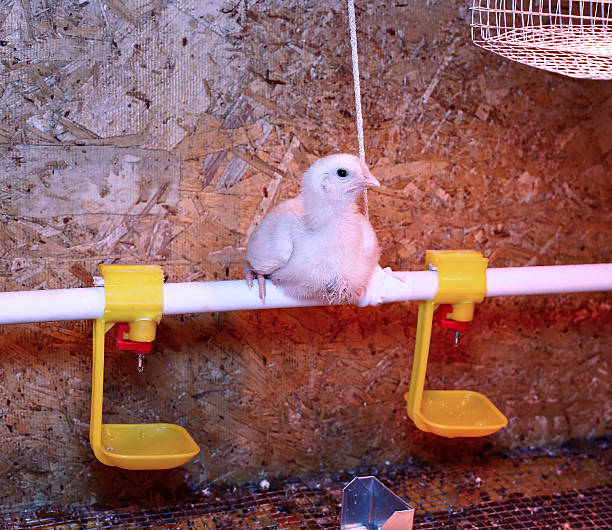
{"x":163,"y":131}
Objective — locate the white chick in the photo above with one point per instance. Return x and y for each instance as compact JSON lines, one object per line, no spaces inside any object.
{"x":318,"y":245}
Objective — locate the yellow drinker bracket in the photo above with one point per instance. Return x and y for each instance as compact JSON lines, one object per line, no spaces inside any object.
{"x":134,"y":295}
{"x":451,"y":413}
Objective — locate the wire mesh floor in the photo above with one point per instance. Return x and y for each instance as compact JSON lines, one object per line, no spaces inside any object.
{"x":560,"y":488}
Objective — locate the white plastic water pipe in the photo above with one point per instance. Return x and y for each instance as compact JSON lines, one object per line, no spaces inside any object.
{"x":549,"y":279}
{"x":230,"y":295}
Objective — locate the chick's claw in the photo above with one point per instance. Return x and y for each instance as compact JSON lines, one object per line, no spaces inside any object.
{"x":261,"y":282}
{"x":249,"y":277}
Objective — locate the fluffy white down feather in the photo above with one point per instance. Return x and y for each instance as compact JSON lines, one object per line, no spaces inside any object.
{"x":318,"y":245}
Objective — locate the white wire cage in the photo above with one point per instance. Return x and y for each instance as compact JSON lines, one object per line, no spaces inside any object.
{"x":568,"y":37}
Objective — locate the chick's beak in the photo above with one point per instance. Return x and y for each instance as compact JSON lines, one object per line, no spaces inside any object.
{"x":369,"y":180}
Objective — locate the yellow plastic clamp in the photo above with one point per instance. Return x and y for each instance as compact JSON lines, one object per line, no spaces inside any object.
{"x":462,"y":280}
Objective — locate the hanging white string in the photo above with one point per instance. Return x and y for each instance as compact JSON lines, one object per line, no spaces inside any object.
{"x":357,"y":87}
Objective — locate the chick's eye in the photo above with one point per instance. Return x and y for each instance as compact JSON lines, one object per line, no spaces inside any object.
{"x":342,"y":173}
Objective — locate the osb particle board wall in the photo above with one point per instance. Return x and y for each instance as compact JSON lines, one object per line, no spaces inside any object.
{"x":162,"y":132}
